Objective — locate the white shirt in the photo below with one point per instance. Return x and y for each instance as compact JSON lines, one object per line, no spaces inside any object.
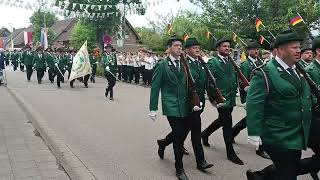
{"x":285,"y":66}
{"x":253,"y":60}
{"x":222,"y":58}
{"x":150,"y":63}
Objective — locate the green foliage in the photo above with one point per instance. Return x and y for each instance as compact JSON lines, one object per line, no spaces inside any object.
{"x":100,"y":71}
{"x":37,"y":19}
{"x":82,"y":32}
{"x":239,"y":16}
{"x":151,"y":39}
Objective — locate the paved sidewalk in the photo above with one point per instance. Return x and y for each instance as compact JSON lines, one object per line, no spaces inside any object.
{"x":22,"y":154}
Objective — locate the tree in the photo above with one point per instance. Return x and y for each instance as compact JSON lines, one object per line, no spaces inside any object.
{"x":39,"y":20}
{"x":111,"y":22}
{"x":239,"y":16}
{"x":83,"y":32}
{"x":151,"y":39}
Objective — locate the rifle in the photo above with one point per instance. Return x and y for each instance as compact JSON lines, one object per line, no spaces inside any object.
{"x":243,"y":80}
{"x":313,"y":86}
{"x":218,"y":96}
{"x":191,"y":83}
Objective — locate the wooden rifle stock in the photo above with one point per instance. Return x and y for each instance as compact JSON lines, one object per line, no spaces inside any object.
{"x":243,"y":80}
{"x":191,"y":82}
{"x":218,"y":96}
{"x":313,"y":86}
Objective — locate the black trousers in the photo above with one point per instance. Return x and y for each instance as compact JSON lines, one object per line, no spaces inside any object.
{"x":136,"y":71}
{"x":120,"y":71}
{"x":60,"y":77}
{"x":148,"y":76}
{"x":194,"y":125}
{"x":40,"y":74}
{"x":81,"y":79}
{"x":29,"y":71}
{"x":242,"y":124}
{"x":21,"y":66}
{"x":51,"y":74}
{"x":111,"y":83}
{"x":130,"y":73}
{"x":125,"y":72}
{"x":225,"y":121}
{"x":286,"y":162}
{"x":180,"y":129}
{"x":15,"y":65}
{"x":94,"y":72}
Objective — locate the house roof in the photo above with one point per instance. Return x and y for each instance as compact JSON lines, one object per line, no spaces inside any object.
{"x":62,"y":29}
{"x":5,"y":31}
{"x":134,"y":31}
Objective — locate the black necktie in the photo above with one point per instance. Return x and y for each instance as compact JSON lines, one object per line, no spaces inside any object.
{"x":177,"y":64}
{"x":293,"y":75}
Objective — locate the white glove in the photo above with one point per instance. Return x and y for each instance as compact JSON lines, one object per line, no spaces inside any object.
{"x":56,"y":64}
{"x":246,"y":88}
{"x":107,"y":68}
{"x":244,"y":105}
{"x":255,"y":140}
{"x":153,"y":115}
{"x":196,"y":108}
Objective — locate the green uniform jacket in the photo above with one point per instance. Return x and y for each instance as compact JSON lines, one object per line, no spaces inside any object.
{"x":93,"y":61}
{"x":226,"y":78}
{"x":69,"y":59}
{"x":110,"y":61}
{"x":303,"y":63}
{"x":281,"y":116}
{"x":27,"y":59}
{"x":14,"y":57}
{"x":39,"y":63}
{"x":314,"y":71}
{"x":247,"y":67}
{"x":49,"y":60}
{"x":200,"y":77}
{"x":174,"y":90}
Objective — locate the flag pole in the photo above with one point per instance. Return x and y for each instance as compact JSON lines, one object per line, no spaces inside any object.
{"x":306,"y":26}
{"x":242,"y":41}
{"x":268,"y":31}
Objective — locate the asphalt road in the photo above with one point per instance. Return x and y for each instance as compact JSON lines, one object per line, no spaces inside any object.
{"x":117,"y":140}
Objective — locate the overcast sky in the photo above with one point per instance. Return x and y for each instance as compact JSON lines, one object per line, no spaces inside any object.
{"x":19,"y":17}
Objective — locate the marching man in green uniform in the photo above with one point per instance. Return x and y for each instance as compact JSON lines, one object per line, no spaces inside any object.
{"x":279,"y":108}
{"x":109,"y":61}
{"x":253,"y":61}
{"x":226,"y":76}
{"x":14,"y":59}
{"x":198,"y":73}
{"x":306,"y":55}
{"x":39,"y":64}
{"x":170,"y":78}
{"x":93,"y":63}
{"x":49,"y":58}
{"x":60,"y":65}
{"x":28,"y":60}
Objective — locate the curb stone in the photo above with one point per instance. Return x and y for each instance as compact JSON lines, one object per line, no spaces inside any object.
{"x":73,"y":166}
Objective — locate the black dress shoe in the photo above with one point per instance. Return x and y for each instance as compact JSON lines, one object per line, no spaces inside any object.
{"x":262,"y":154}
{"x":250,"y":175}
{"x":161,"y":148}
{"x":204,"y":165}
{"x":235,"y":159}
{"x":181,"y":175}
{"x":205,"y":141}
{"x":111,"y":98}
{"x":185,"y":151}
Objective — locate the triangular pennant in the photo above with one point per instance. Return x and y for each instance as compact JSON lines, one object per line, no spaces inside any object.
{"x":92,"y":7}
{"x":105,"y":7}
{"x":99,"y":7}
{"x":74,"y":6}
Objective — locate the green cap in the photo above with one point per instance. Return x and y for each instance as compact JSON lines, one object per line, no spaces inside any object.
{"x":286,"y":37}
{"x":222,"y":40}
{"x":173,"y":39}
{"x":191,"y":42}
{"x":253,"y":45}
{"x":316,"y":44}
{"x":306,"y":47}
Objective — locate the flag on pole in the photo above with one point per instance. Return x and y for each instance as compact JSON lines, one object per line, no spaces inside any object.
{"x":185,"y":36}
{"x":169,"y":29}
{"x":81,"y":63}
{"x":262,"y":39}
{"x":207,"y":34}
{"x":258,"y":24}
{"x":1,"y":43}
{"x":27,"y":38}
{"x":243,"y":56}
{"x":298,"y":19}
{"x":234,"y":36}
{"x":11,"y":40}
{"x":44,"y":38}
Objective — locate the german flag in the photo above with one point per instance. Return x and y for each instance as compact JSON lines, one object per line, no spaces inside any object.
{"x":298,"y":19}
{"x":258,"y":24}
{"x":262,"y":39}
{"x":234,"y":36}
{"x":185,"y":36}
{"x":169,"y":29}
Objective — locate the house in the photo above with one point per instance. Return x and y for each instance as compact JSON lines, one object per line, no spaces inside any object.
{"x":62,"y":30}
{"x":18,"y":37}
